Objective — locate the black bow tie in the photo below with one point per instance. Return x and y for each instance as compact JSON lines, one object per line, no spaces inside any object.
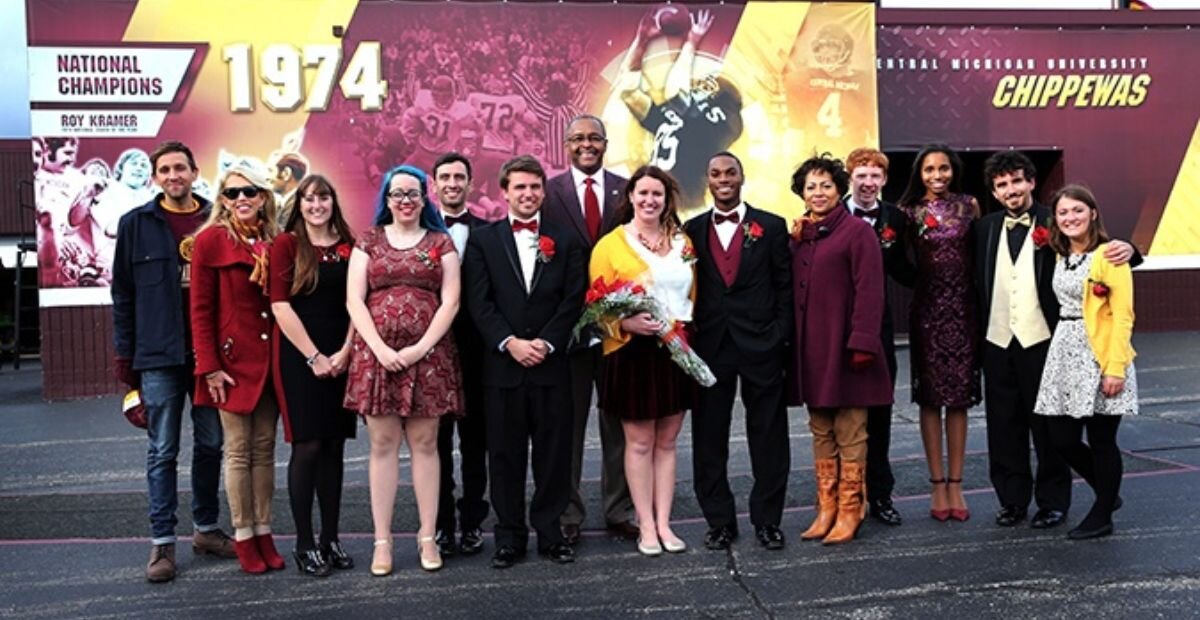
{"x":456,"y":219}
{"x":865,"y":213}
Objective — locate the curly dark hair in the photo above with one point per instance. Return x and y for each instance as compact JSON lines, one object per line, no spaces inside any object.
{"x":1007,"y":162}
{"x":826,"y":163}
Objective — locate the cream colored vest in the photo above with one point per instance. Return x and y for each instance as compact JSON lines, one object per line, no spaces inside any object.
{"x":1015,"y":309}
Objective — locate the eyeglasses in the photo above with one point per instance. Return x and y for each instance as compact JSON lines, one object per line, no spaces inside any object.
{"x":411,"y":195}
{"x":231,"y":193}
{"x":592,"y":137}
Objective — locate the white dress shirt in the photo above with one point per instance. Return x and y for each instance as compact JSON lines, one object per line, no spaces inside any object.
{"x":459,"y":234}
{"x":726,"y":230}
{"x":851,"y":205}
{"x":579,"y":177}
{"x":527,"y":251}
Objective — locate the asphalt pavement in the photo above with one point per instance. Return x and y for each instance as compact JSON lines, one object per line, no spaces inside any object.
{"x":73,"y":534}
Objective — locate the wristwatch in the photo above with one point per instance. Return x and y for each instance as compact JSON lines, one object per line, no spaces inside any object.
{"x":312,"y":359}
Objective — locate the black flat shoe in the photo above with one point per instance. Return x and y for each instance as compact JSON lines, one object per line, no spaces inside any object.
{"x":1080,"y":533}
{"x":719,"y":538}
{"x":445,"y":543}
{"x":770,"y":537}
{"x":1046,"y":518}
{"x":1010,"y":516}
{"x":471,"y":542}
{"x":559,"y":553}
{"x":505,"y":557}
{"x":883,"y":511}
{"x":311,"y":563}
{"x":336,"y":556}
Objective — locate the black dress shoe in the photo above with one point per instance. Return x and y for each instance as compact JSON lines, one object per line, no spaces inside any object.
{"x":1082,"y":533}
{"x":311,"y":563}
{"x":719,"y":538}
{"x":626,"y":530}
{"x":1010,"y":516}
{"x":505,"y":557}
{"x":1046,"y":517}
{"x":559,"y":552}
{"x":336,"y":556}
{"x":471,"y":542}
{"x":570,"y":534}
{"x":445,"y":542}
{"x":770,"y":537}
{"x":883,"y":511}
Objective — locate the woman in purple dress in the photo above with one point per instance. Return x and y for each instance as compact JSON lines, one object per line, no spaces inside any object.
{"x":942,"y":333}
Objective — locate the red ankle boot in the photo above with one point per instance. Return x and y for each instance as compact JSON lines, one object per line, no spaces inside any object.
{"x":249,"y":556}
{"x":266,"y":547}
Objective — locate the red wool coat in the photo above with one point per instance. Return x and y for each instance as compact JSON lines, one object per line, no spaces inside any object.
{"x":838,"y":285}
{"x":231,"y":321}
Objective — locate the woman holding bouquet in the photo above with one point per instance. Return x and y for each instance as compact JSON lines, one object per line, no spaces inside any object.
{"x":839,"y":366}
{"x":1088,"y":381}
{"x":650,"y":251}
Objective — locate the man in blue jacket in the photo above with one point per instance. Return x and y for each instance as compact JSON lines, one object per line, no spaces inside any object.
{"x":151,"y":272}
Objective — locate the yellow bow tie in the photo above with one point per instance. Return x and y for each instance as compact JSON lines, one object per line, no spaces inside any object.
{"x":1023,"y":220}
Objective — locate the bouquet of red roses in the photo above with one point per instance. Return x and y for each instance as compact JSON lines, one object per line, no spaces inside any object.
{"x":608,"y":303}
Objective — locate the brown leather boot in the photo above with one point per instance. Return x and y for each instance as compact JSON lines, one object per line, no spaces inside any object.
{"x":216,"y":543}
{"x":852,"y":504}
{"x":161,"y":566}
{"x":827,"y":508}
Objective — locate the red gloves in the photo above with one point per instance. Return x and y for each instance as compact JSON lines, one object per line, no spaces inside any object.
{"x":124,"y":372}
{"x":861,"y":359}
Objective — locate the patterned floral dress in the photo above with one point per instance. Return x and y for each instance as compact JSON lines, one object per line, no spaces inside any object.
{"x":943,"y":318}
{"x":403,"y":293}
{"x":1071,"y":378}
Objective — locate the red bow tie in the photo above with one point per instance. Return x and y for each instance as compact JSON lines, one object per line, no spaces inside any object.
{"x":531,"y":226}
{"x":731,"y":217}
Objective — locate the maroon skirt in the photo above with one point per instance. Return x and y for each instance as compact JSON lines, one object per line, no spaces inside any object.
{"x":640,"y":382}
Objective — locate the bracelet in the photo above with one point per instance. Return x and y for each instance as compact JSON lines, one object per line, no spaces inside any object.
{"x":312,"y":359}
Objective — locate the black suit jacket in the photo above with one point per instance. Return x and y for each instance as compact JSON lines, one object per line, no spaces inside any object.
{"x":756,"y":311}
{"x":498,"y":303}
{"x":562,"y":208}
{"x":989,"y":234}
{"x":898,"y":265}
{"x":466,"y":335}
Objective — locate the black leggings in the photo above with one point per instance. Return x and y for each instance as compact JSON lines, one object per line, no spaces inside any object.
{"x":1098,"y":461}
{"x":316,"y":466}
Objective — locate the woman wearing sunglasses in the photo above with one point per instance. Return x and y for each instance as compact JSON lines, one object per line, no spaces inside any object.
{"x":231,"y":332}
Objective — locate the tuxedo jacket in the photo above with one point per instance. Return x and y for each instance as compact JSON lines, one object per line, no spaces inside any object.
{"x":494,"y":289}
{"x":991,"y":235}
{"x":897,"y":264}
{"x":466,"y":335}
{"x":756,"y":310}
{"x":563,"y":210}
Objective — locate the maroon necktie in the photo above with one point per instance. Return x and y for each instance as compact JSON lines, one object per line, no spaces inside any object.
{"x":591,"y":209}
{"x":531,"y":226}
{"x":720,"y":219}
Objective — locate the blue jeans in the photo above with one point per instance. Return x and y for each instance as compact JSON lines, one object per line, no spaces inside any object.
{"x":163,"y":393}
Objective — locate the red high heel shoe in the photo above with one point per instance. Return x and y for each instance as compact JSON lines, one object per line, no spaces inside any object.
{"x":939,"y":515}
{"x":958,"y":514}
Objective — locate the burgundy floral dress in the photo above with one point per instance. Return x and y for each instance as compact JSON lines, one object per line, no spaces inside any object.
{"x":943,"y":318}
{"x":403,"y":293}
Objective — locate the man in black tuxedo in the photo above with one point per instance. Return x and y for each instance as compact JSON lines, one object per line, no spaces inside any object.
{"x":524,"y":282}
{"x":743,"y":322}
{"x":1014,"y":270}
{"x":452,"y":184}
{"x":868,"y":174}
{"x":583,"y":201}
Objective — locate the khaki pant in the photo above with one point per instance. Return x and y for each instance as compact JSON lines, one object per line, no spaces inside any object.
{"x":839,"y":432}
{"x":250,"y":462}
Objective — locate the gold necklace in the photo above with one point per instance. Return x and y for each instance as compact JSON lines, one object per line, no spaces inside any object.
{"x":655,"y":247}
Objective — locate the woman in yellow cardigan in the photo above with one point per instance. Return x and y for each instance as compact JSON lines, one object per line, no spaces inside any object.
{"x":640,"y":383}
{"x":1089,"y":380}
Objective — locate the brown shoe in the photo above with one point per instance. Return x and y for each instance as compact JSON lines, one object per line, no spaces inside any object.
{"x":625,"y":529}
{"x":216,"y":543}
{"x":161,"y":566}
{"x":827,"y":509}
{"x":852,"y":505}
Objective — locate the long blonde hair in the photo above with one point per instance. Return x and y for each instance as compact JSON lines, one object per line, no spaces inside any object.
{"x":252,"y":172}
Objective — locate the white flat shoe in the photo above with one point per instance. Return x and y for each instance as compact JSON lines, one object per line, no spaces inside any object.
{"x":382,"y":569}
{"x":677,"y":546}
{"x":436,"y":562}
{"x":649,"y":550}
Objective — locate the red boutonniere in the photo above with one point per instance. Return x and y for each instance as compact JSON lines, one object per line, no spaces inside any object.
{"x":887,"y":236}
{"x":1040,"y":236}
{"x":929,"y":222}
{"x":431,"y":257}
{"x":752,"y":232}
{"x":1099,"y":288}
{"x":545,"y":249}
{"x":688,"y":254}
{"x":343,"y":250}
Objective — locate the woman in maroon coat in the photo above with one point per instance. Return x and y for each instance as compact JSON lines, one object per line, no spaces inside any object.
{"x":839,"y":366}
{"x":231,"y":332}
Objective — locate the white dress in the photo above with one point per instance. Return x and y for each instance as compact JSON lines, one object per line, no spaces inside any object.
{"x":1071,"y":378}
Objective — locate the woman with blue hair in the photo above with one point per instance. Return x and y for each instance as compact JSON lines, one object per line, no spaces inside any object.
{"x":402,"y":293}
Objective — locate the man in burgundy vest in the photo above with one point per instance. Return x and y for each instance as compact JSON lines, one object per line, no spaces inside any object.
{"x":743,"y":321}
